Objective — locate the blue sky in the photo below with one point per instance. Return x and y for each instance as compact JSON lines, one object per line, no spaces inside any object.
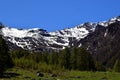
{"x":54,"y":15}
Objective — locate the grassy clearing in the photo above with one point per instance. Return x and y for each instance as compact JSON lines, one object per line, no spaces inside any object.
{"x":78,"y":75}
{"x":21,"y":74}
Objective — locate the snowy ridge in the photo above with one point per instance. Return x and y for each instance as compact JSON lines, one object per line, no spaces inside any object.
{"x":72,"y":32}
{"x":13,"y":32}
{"x":65,"y":34}
{"x":37,"y":39}
{"x":106,"y":23}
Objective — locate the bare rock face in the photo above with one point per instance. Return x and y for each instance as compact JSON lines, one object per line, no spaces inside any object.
{"x":1,"y":25}
{"x":104,"y":43}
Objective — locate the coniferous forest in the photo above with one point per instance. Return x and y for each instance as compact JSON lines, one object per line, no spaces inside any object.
{"x":67,"y":59}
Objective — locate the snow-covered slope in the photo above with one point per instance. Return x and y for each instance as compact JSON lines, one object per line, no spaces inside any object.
{"x":13,"y":32}
{"x":106,"y":23}
{"x":40,"y":40}
{"x":63,"y":37}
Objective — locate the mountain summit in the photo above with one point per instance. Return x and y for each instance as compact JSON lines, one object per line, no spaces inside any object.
{"x":40,"y":40}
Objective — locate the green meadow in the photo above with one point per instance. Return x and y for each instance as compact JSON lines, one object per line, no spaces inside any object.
{"x":22,"y":74}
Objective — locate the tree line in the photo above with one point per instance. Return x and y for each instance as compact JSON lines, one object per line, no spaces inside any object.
{"x":68,"y":59}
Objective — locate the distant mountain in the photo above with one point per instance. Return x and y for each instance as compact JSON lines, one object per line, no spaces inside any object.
{"x":40,"y":40}
{"x":104,"y":42}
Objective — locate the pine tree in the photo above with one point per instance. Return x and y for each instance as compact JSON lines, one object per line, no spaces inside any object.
{"x":53,"y":58}
{"x":84,"y":60}
{"x":19,"y":53}
{"x":5,"y":60}
{"x":117,"y":66}
{"x":64,"y":59}
{"x":73,"y":58}
{"x":99,"y":66}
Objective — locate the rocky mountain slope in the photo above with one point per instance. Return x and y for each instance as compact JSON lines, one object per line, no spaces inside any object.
{"x":104,"y":42}
{"x":40,"y":40}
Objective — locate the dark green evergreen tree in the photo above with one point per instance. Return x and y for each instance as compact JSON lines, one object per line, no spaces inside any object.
{"x":5,"y":60}
{"x":45,"y":57}
{"x":99,"y":66}
{"x":35,"y":56}
{"x":53,"y":58}
{"x":64,"y":59}
{"x":117,"y":66}
{"x":19,"y":53}
{"x":73,"y":58}
{"x":84,"y":60}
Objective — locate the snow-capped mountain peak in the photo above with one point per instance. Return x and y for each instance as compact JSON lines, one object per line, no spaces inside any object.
{"x":40,"y":40}
{"x":32,"y":38}
{"x":112,"y":20}
{"x":20,"y":33}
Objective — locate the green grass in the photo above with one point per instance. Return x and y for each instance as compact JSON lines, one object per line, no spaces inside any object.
{"x":21,"y":74}
{"x":72,"y":75}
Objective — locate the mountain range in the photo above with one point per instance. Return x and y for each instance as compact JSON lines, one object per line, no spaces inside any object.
{"x":101,"y":39}
{"x":40,"y":40}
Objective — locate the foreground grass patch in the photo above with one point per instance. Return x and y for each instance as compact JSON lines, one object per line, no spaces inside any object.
{"x":78,"y":75}
{"x":21,"y":74}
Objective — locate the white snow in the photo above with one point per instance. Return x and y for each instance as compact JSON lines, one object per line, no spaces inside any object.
{"x":106,"y":33}
{"x":80,"y":45}
{"x":13,"y":32}
{"x":113,"y":20}
{"x":72,"y":32}
{"x":77,"y":32}
{"x":118,"y":19}
{"x":104,"y":23}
